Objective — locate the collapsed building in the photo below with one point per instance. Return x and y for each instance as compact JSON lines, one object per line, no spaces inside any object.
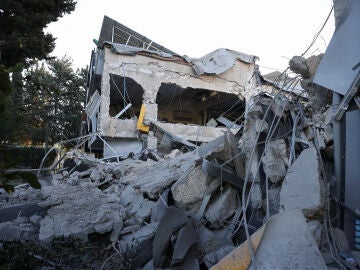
{"x":230,"y":169}
{"x":136,"y":86}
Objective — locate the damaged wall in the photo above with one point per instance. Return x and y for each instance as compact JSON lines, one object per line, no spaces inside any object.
{"x":150,"y":73}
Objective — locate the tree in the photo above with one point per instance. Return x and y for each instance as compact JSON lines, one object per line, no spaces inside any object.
{"x":22,"y":23}
{"x":53,"y":99}
{"x":22,"y":41}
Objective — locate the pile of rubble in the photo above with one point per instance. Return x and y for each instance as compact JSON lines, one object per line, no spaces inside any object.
{"x":197,"y":210}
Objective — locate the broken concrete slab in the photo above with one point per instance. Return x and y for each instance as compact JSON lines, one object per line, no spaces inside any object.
{"x":173,"y":220}
{"x":151,"y":113}
{"x":18,"y":229}
{"x":20,"y":210}
{"x":316,"y":230}
{"x":256,"y":196}
{"x":223,"y":207}
{"x":151,"y":140}
{"x":130,"y":166}
{"x":302,"y":187}
{"x":274,"y":200}
{"x":287,"y":243}
{"x":214,"y":257}
{"x":261,"y":126}
{"x":154,"y":179}
{"x":192,"y":187}
{"x":187,"y":237}
{"x":139,"y":243}
{"x":159,"y":208}
{"x":298,"y":65}
{"x":240,"y":257}
{"x":274,"y":160}
{"x":211,"y":240}
{"x":78,"y":211}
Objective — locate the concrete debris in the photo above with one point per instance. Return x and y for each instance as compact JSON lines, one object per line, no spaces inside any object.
{"x":18,"y":229}
{"x":341,"y":241}
{"x":173,"y":220}
{"x":274,"y":200}
{"x":187,"y":237}
{"x":256,"y":196}
{"x":214,"y":257}
{"x":316,"y":230}
{"x":302,"y":187}
{"x":78,"y":211}
{"x":223,"y":207}
{"x":287,"y":243}
{"x":298,"y":65}
{"x":318,"y":96}
{"x":261,"y":126}
{"x":159,"y":208}
{"x":181,"y":208}
{"x":151,"y":141}
{"x":192,"y":187}
{"x":275,"y":160}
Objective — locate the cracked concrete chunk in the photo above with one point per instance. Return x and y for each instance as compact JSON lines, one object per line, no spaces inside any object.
{"x":187,"y":238}
{"x":223,"y":207}
{"x":137,"y":207}
{"x":274,"y":200}
{"x":302,"y":187}
{"x":213,"y":257}
{"x":274,"y":160}
{"x":256,"y":196}
{"x":79,"y":210}
{"x":298,"y":65}
{"x":192,"y":188}
{"x":150,"y":113}
{"x":287,"y":243}
{"x":173,"y":220}
{"x":18,"y":229}
{"x":211,"y":240}
{"x":261,"y":126}
{"x":152,"y":180}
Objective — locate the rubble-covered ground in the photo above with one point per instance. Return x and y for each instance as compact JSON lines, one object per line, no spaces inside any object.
{"x":193,"y":210}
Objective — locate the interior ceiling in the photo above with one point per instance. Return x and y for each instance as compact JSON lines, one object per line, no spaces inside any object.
{"x":170,"y":91}
{"x":133,"y":89}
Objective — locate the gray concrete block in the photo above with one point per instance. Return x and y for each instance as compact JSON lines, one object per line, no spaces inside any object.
{"x":302,"y":187}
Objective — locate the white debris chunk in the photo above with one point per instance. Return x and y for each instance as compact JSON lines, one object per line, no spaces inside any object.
{"x":302,"y":187}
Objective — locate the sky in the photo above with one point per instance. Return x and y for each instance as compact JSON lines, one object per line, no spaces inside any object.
{"x":272,"y":30}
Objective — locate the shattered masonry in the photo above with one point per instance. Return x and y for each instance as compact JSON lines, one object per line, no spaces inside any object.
{"x":235,"y":174}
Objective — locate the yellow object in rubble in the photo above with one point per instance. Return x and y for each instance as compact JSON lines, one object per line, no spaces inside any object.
{"x":239,"y":258}
{"x":140,"y":124}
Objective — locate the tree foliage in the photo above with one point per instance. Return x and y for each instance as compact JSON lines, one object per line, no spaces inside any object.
{"x":22,"y":42}
{"x":22,"y":24}
{"x":48,"y":105}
